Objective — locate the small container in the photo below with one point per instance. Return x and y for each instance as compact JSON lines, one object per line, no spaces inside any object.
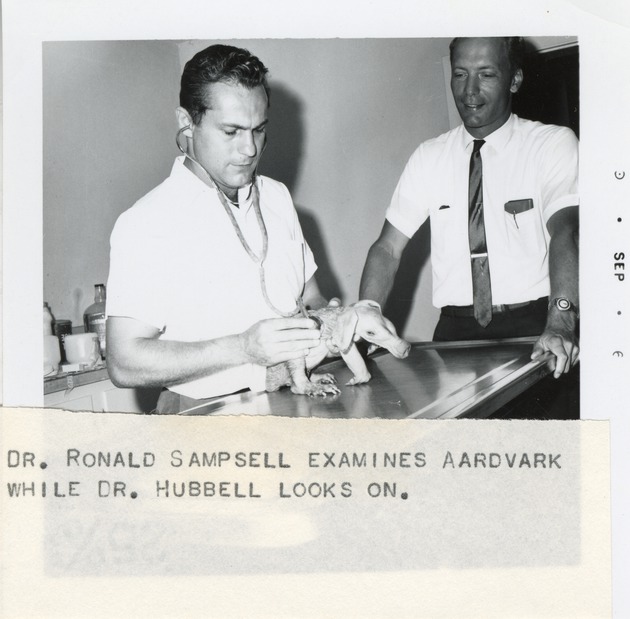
{"x":52,"y":355}
{"x":82,"y":349}
{"x":94,"y":317}
{"x":48,"y":320}
{"x":61,"y":328}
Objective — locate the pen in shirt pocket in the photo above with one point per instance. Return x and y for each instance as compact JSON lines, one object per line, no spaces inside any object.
{"x":514,"y":207}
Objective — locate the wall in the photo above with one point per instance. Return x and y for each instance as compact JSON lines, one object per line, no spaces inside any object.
{"x":345,"y":116}
{"x":108,"y":139}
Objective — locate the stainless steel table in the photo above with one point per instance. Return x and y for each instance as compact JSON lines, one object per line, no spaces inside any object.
{"x":436,"y":381}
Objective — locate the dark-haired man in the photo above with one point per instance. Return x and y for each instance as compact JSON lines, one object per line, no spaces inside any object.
{"x":207,"y":269}
{"x":501,"y":193}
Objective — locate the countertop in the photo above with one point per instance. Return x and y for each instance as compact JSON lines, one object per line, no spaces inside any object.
{"x":69,"y":380}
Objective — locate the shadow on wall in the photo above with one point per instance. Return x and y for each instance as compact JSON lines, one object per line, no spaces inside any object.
{"x":414,"y":258}
{"x":282,"y":161}
{"x":285,"y":138}
{"x":326,"y":279}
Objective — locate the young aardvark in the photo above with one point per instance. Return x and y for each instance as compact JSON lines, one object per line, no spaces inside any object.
{"x":341,"y":327}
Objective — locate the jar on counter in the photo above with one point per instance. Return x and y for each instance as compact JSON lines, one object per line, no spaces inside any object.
{"x":48,"y":320}
{"x":94,"y":317}
{"x":61,"y":328}
{"x":52,"y":355}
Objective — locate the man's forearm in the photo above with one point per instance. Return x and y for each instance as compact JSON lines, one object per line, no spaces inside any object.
{"x":150,"y":362}
{"x":138,"y":358}
{"x":564,"y":275}
{"x":378,"y":275}
{"x":559,"y":336}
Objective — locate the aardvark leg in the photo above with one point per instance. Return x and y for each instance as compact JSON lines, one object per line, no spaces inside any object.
{"x":301,"y":385}
{"x":355,"y":362}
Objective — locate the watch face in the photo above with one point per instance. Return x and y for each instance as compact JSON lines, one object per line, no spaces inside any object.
{"x":563,"y":304}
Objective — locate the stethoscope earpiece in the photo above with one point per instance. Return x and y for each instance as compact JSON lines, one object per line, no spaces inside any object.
{"x":179,"y":146}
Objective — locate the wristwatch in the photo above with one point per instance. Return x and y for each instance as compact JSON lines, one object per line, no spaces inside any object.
{"x":564,"y":305}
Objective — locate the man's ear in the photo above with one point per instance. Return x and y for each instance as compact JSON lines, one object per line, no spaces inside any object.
{"x":344,"y":329}
{"x":184,"y":122}
{"x":517,"y":80}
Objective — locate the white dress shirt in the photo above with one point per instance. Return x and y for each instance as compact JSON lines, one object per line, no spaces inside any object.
{"x":177,"y":264}
{"x":523,"y":161}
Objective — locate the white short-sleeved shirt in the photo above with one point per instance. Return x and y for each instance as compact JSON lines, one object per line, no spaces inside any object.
{"x":177,"y":264}
{"x":528,"y":167}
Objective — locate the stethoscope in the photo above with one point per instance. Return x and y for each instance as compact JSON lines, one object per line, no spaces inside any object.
{"x":259,"y":260}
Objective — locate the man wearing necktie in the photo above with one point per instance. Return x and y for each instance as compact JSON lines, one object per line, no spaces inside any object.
{"x":501,"y":193}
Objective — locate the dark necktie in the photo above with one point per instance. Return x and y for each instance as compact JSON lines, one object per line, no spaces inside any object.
{"x":482,"y":295}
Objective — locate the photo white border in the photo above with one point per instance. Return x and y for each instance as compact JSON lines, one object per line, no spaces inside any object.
{"x":603,"y":34}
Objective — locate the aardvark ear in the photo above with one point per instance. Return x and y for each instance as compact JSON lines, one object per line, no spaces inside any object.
{"x":343,"y":332}
{"x":368,"y":303}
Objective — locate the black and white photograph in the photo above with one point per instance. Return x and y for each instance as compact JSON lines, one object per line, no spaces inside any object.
{"x":334,"y":309}
{"x":359,"y":250}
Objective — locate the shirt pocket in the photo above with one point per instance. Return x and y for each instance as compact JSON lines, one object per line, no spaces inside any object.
{"x":520,"y":213}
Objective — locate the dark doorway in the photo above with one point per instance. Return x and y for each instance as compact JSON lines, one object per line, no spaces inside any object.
{"x":550,"y":90}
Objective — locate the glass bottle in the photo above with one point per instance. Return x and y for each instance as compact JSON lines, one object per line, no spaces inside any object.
{"x":94,"y":317}
{"x":48,"y":319}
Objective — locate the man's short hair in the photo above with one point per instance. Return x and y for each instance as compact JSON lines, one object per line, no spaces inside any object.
{"x":218,"y":63}
{"x":514,"y":47}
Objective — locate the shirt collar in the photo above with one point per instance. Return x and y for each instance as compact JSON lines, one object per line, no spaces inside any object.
{"x":196,"y":185}
{"x":498,"y":139}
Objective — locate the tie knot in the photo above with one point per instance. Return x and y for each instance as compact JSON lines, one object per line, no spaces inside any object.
{"x":477,"y":144}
